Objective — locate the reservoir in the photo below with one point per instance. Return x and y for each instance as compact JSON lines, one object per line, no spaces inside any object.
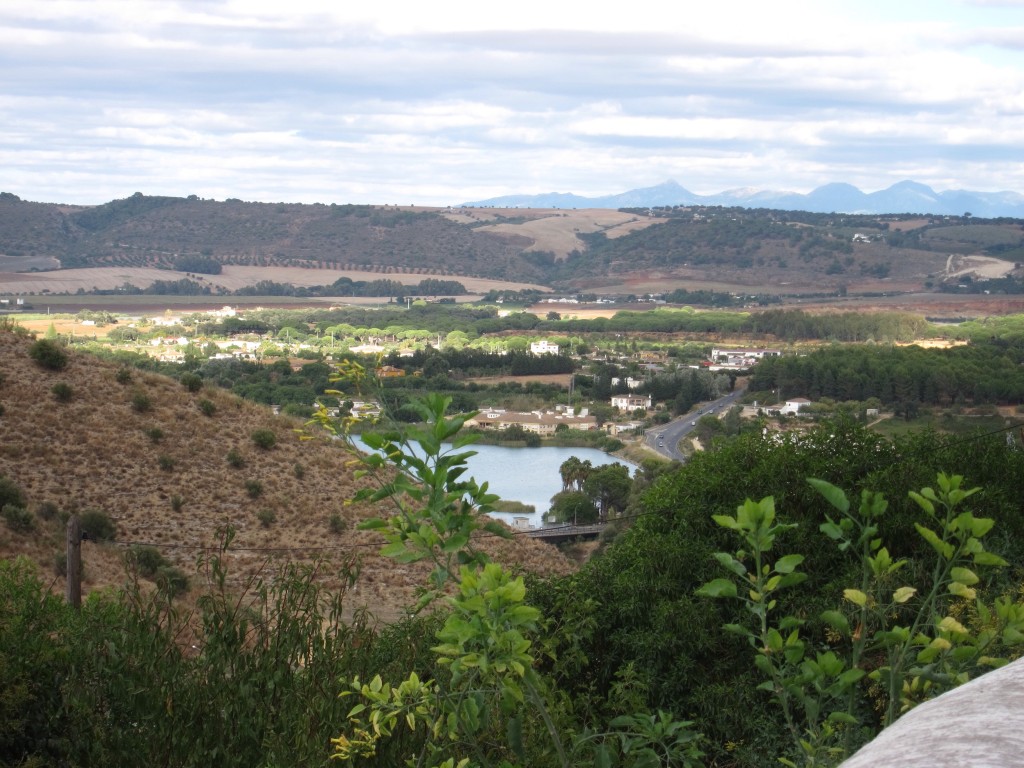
{"x":529,"y":475}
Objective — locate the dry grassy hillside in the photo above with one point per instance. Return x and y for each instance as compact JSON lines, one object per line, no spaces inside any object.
{"x":100,"y":451}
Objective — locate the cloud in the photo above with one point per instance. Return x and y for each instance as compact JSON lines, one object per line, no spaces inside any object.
{"x":330,"y":102}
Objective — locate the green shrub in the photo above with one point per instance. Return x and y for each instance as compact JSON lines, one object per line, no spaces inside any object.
{"x":254,"y":488}
{"x":177,"y":502}
{"x":155,"y":434}
{"x":62,"y":391}
{"x":148,"y":560}
{"x":337,"y":523}
{"x":123,"y":375}
{"x":193,"y":382}
{"x":166,"y":463}
{"x":18,"y":519}
{"x":235,"y":459}
{"x":11,"y":493}
{"x":60,"y":564}
{"x":48,"y":510}
{"x":267,"y":517}
{"x":264,"y":438}
{"x":208,"y":407}
{"x":49,"y":354}
{"x":172,"y":581}
{"x":299,"y":470}
{"x":97,"y":525}
{"x":141,"y":402}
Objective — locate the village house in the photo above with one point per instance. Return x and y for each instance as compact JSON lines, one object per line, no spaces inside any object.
{"x":539,"y":422}
{"x":630,"y":402}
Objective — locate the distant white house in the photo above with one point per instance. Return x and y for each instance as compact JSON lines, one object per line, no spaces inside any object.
{"x":630,"y":402}
{"x":795,"y":405}
{"x":543,"y":347}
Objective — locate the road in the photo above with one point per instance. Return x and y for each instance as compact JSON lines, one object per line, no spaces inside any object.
{"x":665,"y":438}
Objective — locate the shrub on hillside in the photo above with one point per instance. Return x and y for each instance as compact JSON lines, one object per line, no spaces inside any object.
{"x":264,"y":438}
{"x":208,"y":407}
{"x":18,"y":519}
{"x":254,"y":488}
{"x":49,"y":354}
{"x":123,"y":375}
{"x":172,"y":581}
{"x":62,"y":391}
{"x":267,"y":517}
{"x":11,"y":493}
{"x":148,"y":560}
{"x":191,"y":381}
{"x":97,"y":525}
{"x":141,"y":402}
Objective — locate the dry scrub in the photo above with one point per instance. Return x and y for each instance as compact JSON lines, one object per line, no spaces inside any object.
{"x":101,"y":451}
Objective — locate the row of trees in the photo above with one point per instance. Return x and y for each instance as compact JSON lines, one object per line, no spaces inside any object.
{"x":977,"y":373}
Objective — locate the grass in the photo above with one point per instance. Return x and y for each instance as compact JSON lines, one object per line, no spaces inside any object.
{"x":953,"y":424}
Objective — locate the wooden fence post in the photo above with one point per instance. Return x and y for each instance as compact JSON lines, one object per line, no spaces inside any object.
{"x":74,"y":564}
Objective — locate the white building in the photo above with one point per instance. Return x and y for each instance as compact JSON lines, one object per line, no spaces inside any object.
{"x":543,"y":347}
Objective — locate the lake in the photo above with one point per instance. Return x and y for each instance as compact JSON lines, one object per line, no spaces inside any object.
{"x":529,"y":475}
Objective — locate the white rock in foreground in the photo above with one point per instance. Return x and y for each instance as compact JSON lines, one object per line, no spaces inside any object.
{"x":978,"y":725}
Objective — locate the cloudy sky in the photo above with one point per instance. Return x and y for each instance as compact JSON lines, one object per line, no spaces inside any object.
{"x":436,"y":103}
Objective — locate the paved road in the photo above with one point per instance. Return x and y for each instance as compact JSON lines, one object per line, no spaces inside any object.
{"x":665,"y":438}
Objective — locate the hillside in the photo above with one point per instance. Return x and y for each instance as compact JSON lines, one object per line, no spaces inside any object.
{"x":102,"y":450}
{"x":626,"y":251}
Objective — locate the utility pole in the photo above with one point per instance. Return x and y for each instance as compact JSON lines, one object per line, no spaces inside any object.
{"x":74,"y":562}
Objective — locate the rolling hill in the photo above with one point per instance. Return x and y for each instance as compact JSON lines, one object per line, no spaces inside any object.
{"x":171,"y":468}
{"x":631,"y":250}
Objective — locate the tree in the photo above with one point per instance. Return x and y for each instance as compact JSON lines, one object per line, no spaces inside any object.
{"x":573,"y":507}
{"x":609,"y":487}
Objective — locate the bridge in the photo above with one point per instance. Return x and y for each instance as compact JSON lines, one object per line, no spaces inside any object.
{"x":556,"y":534}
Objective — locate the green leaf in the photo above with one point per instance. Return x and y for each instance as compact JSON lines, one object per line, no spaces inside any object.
{"x":731,"y":563}
{"x":962,"y":590}
{"x":514,"y":731}
{"x":943,"y":548}
{"x":837,"y":621}
{"x":856,"y":597}
{"x":963,"y":575}
{"x":903,"y":594}
{"x":988,"y":558}
{"x":832,"y":494}
{"x":718,"y":588}
{"x":788,"y":563}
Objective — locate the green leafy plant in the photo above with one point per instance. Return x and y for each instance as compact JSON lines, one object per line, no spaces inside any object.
{"x":123,"y":375}
{"x":493,"y":707}
{"x":167,"y":463}
{"x":267,"y":517}
{"x":906,"y":639}
{"x":207,"y":407}
{"x":254,"y":488}
{"x":235,"y":459}
{"x":177,"y":502}
{"x":336,"y":523}
{"x":155,"y":434}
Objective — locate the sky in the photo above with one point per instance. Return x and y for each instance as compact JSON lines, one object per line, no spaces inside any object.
{"x":438,"y":103}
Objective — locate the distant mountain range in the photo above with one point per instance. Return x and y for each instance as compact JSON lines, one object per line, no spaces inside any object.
{"x":904,"y":197}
